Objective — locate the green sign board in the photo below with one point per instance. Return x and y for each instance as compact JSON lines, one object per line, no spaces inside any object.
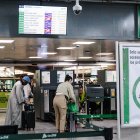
{"x":4,"y":99}
{"x":138,"y":21}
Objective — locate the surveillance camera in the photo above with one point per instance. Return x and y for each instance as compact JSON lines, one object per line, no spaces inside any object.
{"x":77,"y":9}
{"x":77,"y":46}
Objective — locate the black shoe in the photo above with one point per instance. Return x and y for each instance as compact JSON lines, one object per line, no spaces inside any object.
{"x":21,"y":128}
{"x":67,"y":130}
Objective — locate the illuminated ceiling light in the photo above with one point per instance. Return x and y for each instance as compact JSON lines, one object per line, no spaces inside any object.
{"x":83,"y":67}
{"x":66,"y":48}
{"x":104,"y":53}
{"x":18,"y":71}
{"x":70,"y":68}
{"x":22,"y":72}
{"x":6,"y":41}
{"x":34,"y":57}
{"x":30,"y":73}
{"x":105,"y":64}
{"x":84,"y":57}
{"x":64,"y":64}
{"x":49,"y":53}
{"x":70,"y":60}
{"x":2,"y":47}
{"x":2,"y":68}
{"x":111,"y":60}
{"x":83,"y":42}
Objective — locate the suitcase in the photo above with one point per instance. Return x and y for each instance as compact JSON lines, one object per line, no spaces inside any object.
{"x":28,"y":119}
{"x":28,"y":107}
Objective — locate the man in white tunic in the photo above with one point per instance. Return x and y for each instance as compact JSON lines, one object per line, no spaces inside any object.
{"x":15,"y":103}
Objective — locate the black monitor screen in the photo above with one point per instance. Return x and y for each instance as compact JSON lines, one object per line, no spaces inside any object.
{"x":95,"y":93}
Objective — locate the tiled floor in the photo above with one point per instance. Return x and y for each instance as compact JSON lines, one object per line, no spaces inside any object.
{"x":45,"y":127}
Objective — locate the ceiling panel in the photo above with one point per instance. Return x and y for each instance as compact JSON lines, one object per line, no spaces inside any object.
{"x":21,"y":49}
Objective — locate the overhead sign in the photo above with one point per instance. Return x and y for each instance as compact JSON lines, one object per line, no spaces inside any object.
{"x":42,"y":20}
{"x":130,"y":84}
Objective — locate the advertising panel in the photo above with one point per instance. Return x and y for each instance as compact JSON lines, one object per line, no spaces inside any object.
{"x":130,"y":84}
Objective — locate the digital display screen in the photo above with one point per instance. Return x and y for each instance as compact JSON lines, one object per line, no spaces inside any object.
{"x":42,"y":20}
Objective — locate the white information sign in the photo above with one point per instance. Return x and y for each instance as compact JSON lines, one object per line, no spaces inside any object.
{"x":45,"y":77}
{"x":61,"y":76}
{"x":130,"y":84}
{"x":110,"y":76}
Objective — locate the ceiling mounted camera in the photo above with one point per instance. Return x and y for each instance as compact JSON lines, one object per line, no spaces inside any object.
{"x":77,"y":8}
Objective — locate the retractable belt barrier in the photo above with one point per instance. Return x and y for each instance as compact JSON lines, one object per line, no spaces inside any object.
{"x":92,"y":126}
{"x":104,"y":97}
{"x":107,"y":133}
{"x":90,"y":116}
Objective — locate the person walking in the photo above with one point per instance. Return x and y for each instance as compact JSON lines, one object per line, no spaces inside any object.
{"x":15,"y":103}
{"x":64,"y":93}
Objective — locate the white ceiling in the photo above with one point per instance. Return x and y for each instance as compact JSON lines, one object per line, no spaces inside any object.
{"x":18,"y":52}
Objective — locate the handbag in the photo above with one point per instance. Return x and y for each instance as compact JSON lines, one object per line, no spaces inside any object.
{"x":72,"y":107}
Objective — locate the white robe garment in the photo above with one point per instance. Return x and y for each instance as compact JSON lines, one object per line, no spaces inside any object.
{"x":14,"y":106}
{"x":27,"y":92}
